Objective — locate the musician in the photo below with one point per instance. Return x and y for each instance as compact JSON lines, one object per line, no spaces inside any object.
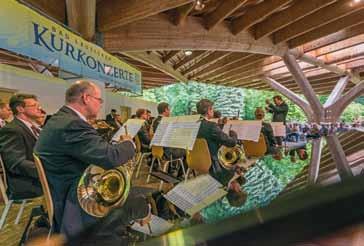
{"x":67,"y":146}
{"x":110,"y":117}
{"x":143,"y":133}
{"x":267,"y":131}
{"x":279,"y":110}
{"x":113,"y":118}
{"x":5,"y":113}
{"x":210,"y":131}
{"x":17,"y":140}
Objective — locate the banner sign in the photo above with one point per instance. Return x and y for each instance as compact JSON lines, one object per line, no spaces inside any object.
{"x":26,"y":32}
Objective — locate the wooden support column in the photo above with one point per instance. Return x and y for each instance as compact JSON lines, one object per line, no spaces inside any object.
{"x":304,"y":85}
{"x":337,"y":91}
{"x":314,"y":166}
{"x":339,"y":157}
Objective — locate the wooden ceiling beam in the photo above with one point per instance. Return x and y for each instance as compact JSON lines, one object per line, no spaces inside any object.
{"x":81,"y":16}
{"x":195,"y":54}
{"x":335,"y":26}
{"x":180,"y":14}
{"x":158,"y":33}
{"x":155,"y":62}
{"x":226,"y":61}
{"x":225,"y":9}
{"x":113,"y":14}
{"x":170,"y":55}
{"x":341,"y":35}
{"x":296,"y":12}
{"x":256,"y":14}
{"x":317,"y":19}
{"x":210,"y":59}
{"x":53,"y":8}
{"x":235,"y":66}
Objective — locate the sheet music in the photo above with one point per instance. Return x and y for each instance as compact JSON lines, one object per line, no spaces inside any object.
{"x":245,"y":129}
{"x":177,"y":132}
{"x":196,"y":194}
{"x":157,"y":224}
{"x":279,"y":130}
{"x":132,"y":125}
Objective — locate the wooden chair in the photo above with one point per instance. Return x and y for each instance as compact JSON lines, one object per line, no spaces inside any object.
{"x":9,"y":201}
{"x":46,"y":192}
{"x":158,"y":155}
{"x":139,"y":155}
{"x":255,"y":149}
{"x":198,"y":159}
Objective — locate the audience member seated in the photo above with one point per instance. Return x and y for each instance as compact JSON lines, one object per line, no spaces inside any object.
{"x":301,"y":152}
{"x":5,"y":114}
{"x":17,"y":140}
{"x":143,"y":133}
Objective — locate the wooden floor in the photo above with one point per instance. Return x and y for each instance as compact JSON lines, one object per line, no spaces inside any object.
{"x":10,"y":234}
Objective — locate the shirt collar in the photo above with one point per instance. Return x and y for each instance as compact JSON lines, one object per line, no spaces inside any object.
{"x":77,"y":112}
{"x":27,"y":123}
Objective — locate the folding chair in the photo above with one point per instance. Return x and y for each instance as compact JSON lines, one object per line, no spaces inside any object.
{"x":9,"y":200}
{"x":198,"y":159}
{"x":139,"y":155}
{"x":255,"y":149}
{"x":158,"y":155}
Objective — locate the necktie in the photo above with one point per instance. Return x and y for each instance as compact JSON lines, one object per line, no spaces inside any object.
{"x":35,"y":130}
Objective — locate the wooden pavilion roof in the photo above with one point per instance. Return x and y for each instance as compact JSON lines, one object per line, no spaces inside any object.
{"x":233,"y":42}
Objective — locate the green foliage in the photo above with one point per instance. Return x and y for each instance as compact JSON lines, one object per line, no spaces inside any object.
{"x":353,"y":112}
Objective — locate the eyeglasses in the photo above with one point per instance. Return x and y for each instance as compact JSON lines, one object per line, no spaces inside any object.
{"x":32,"y":106}
{"x":97,"y":98}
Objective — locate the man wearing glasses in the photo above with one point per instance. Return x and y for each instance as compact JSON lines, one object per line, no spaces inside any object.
{"x":17,"y":140}
{"x":67,"y":145}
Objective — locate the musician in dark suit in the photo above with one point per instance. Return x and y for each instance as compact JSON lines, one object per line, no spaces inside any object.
{"x":110,"y":117}
{"x":17,"y":140}
{"x":267,"y":132}
{"x":279,"y":110}
{"x":143,"y":133}
{"x":213,"y":134}
{"x":5,"y":113}
{"x":67,"y":146}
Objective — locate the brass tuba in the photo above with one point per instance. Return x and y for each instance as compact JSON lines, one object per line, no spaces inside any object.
{"x":100,"y":190}
{"x":231,"y":156}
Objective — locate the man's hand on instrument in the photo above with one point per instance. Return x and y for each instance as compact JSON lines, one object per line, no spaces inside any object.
{"x":147,"y":218}
{"x":126,"y":137}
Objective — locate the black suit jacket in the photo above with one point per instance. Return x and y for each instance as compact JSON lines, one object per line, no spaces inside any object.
{"x":156,"y":122}
{"x":279,"y":112}
{"x":215,"y":138}
{"x":109,"y":118}
{"x":16,"y":148}
{"x":67,"y":146}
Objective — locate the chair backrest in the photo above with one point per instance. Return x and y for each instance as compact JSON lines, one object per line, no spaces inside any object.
{"x":157,"y":152}
{"x":199,"y":158}
{"x":138,"y":144}
{"x":3,"y":182}
{"x":45,"y":187}
{"x":255,"y":149}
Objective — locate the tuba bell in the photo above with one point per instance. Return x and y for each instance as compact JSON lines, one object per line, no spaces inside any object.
{"x":231,"y":156}
{"x":100,"y":190}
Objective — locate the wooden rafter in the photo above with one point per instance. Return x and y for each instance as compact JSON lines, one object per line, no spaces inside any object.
{"x":297,"y":11}
{"x":225,"y":8}
{"x":113,"y":14}
{"x":170,"y":55}
{"x":188,"y":59}
{"x":53,"y":8}
{"x":226,"y":61}
{"x":81,"y":17}
{"x":180,"y":14}
{"x":256,"y":14}
{"x":155,"y":62}
{"x":150,"y":34}
{"x":210,"y":59}
{"x":324,"y":16}
{"x":341,"y":23}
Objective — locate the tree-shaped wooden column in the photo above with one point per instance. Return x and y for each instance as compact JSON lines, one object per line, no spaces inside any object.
{"x":316,"y":112}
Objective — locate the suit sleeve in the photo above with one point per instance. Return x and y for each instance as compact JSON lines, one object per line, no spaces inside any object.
{"x":85,"y":144}
{"x":278,"y":109}
{"x":14,"y":154}
{"x":220,"y":137}
{"x":144,"y":136}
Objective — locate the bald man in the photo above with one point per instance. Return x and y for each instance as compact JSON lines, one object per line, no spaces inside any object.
{"x":68,"y":144}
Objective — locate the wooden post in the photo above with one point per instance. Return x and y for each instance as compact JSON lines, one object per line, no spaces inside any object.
{"x":314,"y":166}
